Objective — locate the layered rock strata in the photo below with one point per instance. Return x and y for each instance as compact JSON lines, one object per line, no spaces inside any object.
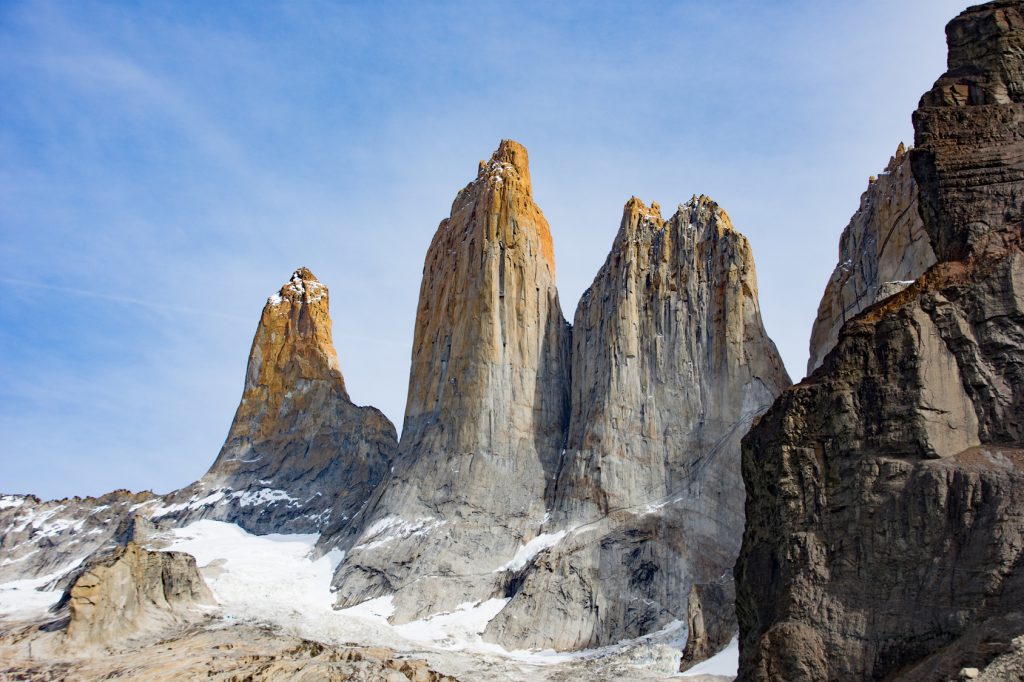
{"x":132,"y":591}
{"x":670,"y":363}
{"x":487,"y":407}
{"x":885,"y":493}
{"x":298,"y":449}
{"x":882,"y":250}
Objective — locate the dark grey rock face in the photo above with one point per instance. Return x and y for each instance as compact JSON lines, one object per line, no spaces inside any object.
{"x":885,"y":492}
{"x":710,"y":620}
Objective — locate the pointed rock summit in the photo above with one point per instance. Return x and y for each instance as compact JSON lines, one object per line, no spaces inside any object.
{"x":487,"y":407}
{"x":298,"y":448}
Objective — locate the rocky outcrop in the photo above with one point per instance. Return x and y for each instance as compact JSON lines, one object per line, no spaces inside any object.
{"x":710,"y":620}
{"x":233,"y":652}
{"x":132,"y":591}
{"x":884,"y":493}
{"x":670,"y":363}
{"x":882,"y":250}
{"x":47,"y":538}
{"x":298,"y":449}
{"x":486,"y":412}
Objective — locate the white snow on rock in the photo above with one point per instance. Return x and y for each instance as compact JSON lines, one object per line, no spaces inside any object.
{"x":531,"y":549}
{"x":279,"y":580}
{"x":725,"y":663}
{"x":8,"y":501}
{"x":27,"y":599}
{"x":393,"y":528}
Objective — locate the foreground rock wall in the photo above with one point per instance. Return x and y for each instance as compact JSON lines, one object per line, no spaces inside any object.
{"x":884,"y":493}
{"x":130,"y":592}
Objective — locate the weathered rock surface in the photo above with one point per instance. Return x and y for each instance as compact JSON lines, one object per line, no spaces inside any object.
{"x":882,"y":250}
{"x":40,"y":538}
{"x":238,"y":652}
{"x":131,"y":591}
{"x":670,"y":364}
{"x":710,"y":620}
{"x":885,"y":493}
{"x":298,"y":449}
{"x":487,"y":407}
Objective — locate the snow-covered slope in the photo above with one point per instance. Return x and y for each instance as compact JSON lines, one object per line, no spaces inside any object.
{"x":278,"y":581}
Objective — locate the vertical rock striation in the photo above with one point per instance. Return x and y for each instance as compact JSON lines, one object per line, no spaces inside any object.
{"x":298,"y":450}
{"x":885,"y":492}
{"x":670,"y":363}
{"x":486,"y":412}
{"x":882,"y":250}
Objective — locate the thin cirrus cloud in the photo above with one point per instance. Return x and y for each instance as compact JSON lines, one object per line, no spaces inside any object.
{"x":164,"y":168}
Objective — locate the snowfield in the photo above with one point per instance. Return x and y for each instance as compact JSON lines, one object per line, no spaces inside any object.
{"x":275,"y":579}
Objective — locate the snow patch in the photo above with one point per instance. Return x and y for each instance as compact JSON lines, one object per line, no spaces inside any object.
{"x":392,"y":528}
{"x":457,"y":629}
{"x":26,"y":598}
{"x":530,"y":550}
{"x":726,"y":662}
{"x":380,"y":608}
{"x":9,"y":501}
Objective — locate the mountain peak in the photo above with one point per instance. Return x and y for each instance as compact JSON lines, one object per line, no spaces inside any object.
{"x":302,"y":286}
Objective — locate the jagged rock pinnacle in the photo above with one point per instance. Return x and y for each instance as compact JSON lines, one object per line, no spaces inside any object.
{"x":487,"y":405}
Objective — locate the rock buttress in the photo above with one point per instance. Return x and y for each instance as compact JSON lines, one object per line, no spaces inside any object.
{"x":883,"y":249}
{"x":885,"y":492}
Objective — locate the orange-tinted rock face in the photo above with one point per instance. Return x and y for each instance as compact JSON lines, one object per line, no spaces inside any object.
{"x":298,"y":448}
{"x":487,"y":408}
{"x":489,"y":351}
{"x":292,"y":344}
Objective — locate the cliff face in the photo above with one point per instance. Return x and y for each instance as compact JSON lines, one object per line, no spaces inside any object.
{"x":298,"y":449}
{"x":884,"y":493}
{"x":486,"y":412}
{"x":670,"y":363}
{"x":882,"y":250}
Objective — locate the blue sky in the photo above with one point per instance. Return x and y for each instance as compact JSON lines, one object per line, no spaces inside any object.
{"x":165,"y":166}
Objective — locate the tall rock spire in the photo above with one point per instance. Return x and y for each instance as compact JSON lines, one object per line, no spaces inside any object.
{"x":297,"y":448}
{"x":670,"y":364}
{"x":487,"y":406}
